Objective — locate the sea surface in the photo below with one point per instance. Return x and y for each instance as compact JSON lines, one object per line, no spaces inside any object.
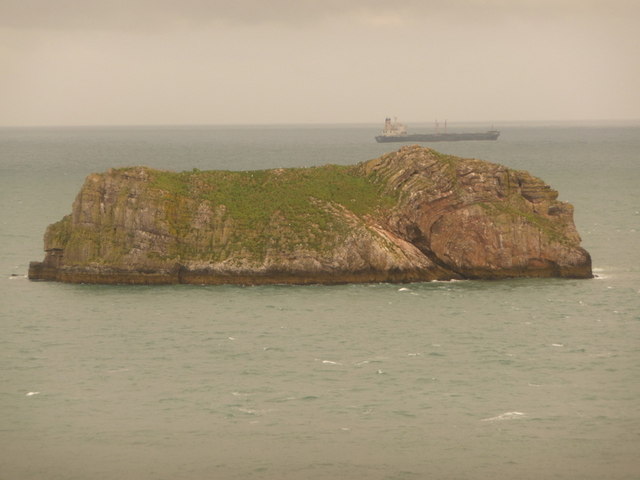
{"x":520,"y":379}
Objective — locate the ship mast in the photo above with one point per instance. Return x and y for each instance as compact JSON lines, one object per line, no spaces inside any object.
{"x":438,"y":126}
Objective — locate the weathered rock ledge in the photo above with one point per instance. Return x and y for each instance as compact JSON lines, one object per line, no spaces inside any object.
{"x":410,"y":215}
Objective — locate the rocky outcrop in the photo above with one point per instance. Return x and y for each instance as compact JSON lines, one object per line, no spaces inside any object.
{"x":411,"y":215}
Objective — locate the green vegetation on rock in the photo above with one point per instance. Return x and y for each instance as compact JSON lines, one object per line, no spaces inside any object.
{"x":277,"y":208}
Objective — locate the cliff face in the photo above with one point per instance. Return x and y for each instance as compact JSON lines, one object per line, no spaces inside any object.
{"x":411,"y":215}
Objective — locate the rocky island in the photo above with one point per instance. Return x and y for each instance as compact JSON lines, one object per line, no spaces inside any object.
{"x":411,"y":215}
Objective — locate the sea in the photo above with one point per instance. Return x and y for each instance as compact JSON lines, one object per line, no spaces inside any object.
{"x":518,"y":379}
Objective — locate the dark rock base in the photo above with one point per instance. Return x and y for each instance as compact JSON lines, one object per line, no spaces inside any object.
{"x":38,"y":271}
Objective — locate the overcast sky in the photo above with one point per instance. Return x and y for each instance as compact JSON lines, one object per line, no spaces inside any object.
{"x":114,"y":62}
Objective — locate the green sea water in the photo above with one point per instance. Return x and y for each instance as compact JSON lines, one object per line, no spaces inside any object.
{"x":522,"y":379}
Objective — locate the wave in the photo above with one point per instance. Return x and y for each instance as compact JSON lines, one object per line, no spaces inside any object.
{"x":505,"y":416}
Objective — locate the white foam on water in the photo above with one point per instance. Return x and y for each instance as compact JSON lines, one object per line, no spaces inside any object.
{"x":248,"y":411}
{"x":504,"y":416}
{"x":598,"y":273}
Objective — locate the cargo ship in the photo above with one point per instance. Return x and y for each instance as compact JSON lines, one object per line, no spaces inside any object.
{"x":394,"y":131}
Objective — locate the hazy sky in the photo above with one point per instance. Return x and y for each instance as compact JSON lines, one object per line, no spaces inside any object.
{"x":104,"y":62}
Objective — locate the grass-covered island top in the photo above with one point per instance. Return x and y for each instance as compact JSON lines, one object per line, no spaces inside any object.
{"x":278,"y":207}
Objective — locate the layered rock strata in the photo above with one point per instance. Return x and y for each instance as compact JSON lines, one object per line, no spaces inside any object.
{"x":410,"y":215}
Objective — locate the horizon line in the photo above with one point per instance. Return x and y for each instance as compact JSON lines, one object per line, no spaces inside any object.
{"x":313,"y":124}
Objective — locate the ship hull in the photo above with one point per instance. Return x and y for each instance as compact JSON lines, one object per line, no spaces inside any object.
{"x":439,"y":137}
